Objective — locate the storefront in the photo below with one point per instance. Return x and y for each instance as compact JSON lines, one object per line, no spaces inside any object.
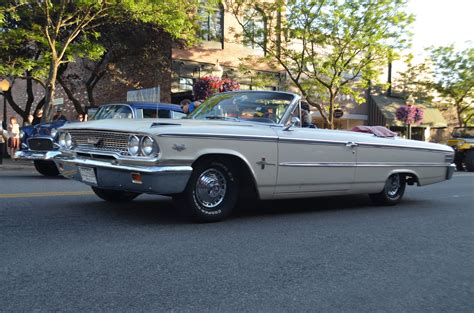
{"x":382,"y":110}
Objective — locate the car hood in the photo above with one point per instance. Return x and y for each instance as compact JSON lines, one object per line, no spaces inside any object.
{"x":167,"y":126}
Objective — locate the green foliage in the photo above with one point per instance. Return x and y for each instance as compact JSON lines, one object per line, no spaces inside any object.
{"x":454,"y":79}
{"x":416,"y":81}
{"x":39,"y":36}
{"x":330,"y":47}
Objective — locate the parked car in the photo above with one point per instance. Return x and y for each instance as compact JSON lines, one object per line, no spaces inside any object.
{"x":239,"y":144}
{"x":463,"y":144}
{"x":40,"y":141}
{"x":138,"y":110}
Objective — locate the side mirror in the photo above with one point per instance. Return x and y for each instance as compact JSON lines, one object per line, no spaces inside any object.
{"x":294,"y":122}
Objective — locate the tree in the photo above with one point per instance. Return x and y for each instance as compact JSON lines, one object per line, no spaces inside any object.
{"x":139,"y":42}
{"x":454,"y":79}
{"x":327,"y":47}
{"x":415,"y":81}
{"x":65,"y":30}
{"x":20,"y":59}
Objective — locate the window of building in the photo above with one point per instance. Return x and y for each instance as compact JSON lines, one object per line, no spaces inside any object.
{"x":185,"y":83}
{"x":212,"y":23}
{"x":254,"y":32}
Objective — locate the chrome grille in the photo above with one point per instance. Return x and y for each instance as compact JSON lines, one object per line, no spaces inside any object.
{"x":40,"y":144}
{"x":100,"y":140}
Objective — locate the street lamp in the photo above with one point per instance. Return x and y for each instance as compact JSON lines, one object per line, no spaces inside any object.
{"x":409,"y":102}
{"x":218,"y":71}
{"x":4,"y":86}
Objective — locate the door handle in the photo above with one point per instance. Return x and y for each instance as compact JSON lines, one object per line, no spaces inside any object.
{"x":351,"y":144}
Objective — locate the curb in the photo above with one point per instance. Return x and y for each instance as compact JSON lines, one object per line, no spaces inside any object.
{"x":9,"y":164}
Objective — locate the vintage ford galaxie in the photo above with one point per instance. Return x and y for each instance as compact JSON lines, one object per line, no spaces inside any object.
{"x":246,"y":143}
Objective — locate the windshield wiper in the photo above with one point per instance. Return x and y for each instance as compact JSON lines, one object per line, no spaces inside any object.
{"x":221,"y":117}
{"x":215,"y":117}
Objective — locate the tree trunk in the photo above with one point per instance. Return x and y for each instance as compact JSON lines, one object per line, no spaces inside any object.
{"x":50,"y":88}
{"x":31,"y":97}
{"x":461,"y":121}
{"x":331,"y":110}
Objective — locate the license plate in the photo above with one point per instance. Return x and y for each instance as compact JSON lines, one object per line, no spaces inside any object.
{"x":88,"y":175}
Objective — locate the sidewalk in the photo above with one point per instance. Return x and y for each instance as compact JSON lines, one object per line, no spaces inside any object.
{"x":9,"y":164}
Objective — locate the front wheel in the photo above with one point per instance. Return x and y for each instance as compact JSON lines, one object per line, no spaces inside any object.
{"x":211,"y":192}
{"x":459,"y":161}
{"x":110,"y":195}
{"x":392,"y":192}
{"x":46,"y":168}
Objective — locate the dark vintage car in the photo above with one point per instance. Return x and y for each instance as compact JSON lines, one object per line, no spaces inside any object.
{"x":39,"y":142}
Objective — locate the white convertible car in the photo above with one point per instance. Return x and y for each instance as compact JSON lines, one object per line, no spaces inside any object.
{"x":243,"y":144}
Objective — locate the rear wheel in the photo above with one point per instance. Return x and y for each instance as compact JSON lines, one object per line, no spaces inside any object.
{"x":211,"y":193}
{"x":46,"y":168}
{"x":110,"y":195}
{"x":459,"y":166}
{"x":392,"y":192}
{"x":469,"y":160}
{"x":459,"y":161}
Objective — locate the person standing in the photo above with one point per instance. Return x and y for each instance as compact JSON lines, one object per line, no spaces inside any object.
{"x":38,"y":117}
{"x":29,"y":120}
{"x":14,"y":136}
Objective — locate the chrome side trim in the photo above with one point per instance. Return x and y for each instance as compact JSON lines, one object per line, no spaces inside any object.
{"x":311,"y":141}
{"x":391,"y":146}
{"x":363,"y":144}
{"x":319,"y":164}
{"x":360,"y":164}
{"x":223,"y":136}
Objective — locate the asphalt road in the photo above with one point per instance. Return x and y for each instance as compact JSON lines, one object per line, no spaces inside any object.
{"x":63,"y":249}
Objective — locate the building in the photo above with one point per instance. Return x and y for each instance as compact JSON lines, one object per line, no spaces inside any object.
{"x":221,"y":51}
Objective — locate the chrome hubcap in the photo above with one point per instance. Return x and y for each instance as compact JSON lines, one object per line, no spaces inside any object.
{"x":392,"y":185}
{"x":210,"y":188}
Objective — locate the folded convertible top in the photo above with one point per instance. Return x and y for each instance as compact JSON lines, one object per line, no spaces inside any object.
{"x":378,"y":131}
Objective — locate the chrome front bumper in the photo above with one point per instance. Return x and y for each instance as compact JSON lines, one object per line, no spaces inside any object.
{"x":450,"y":171}
{"x":36,"y":155}
{"x":162,"y":180}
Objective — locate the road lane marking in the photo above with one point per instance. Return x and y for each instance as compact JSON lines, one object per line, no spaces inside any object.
{"x":44,"y":194}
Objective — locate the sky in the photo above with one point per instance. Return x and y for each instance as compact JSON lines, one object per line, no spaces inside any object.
{"x":441,"y":23}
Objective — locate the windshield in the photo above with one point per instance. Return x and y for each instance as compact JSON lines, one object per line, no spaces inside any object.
{"x":115,"y":111}
{"x":463,"y":132}
{"x":264,"y":107}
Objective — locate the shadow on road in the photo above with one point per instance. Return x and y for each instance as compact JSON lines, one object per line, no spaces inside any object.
{"x":158,"y":209}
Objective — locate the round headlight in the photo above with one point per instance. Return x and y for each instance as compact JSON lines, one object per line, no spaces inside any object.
{"x":53,"y":133}
{"x":148,"y":146}
{"x":62,"y":140}
{"x":133,"y":145}
{"x":68,"y":140}
{"x":22,"y":134}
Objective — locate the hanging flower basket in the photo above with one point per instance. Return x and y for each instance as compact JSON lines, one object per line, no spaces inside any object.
{"x":208,"y":85}
{"x":409,"y":114}
{"x":229,"y":85}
